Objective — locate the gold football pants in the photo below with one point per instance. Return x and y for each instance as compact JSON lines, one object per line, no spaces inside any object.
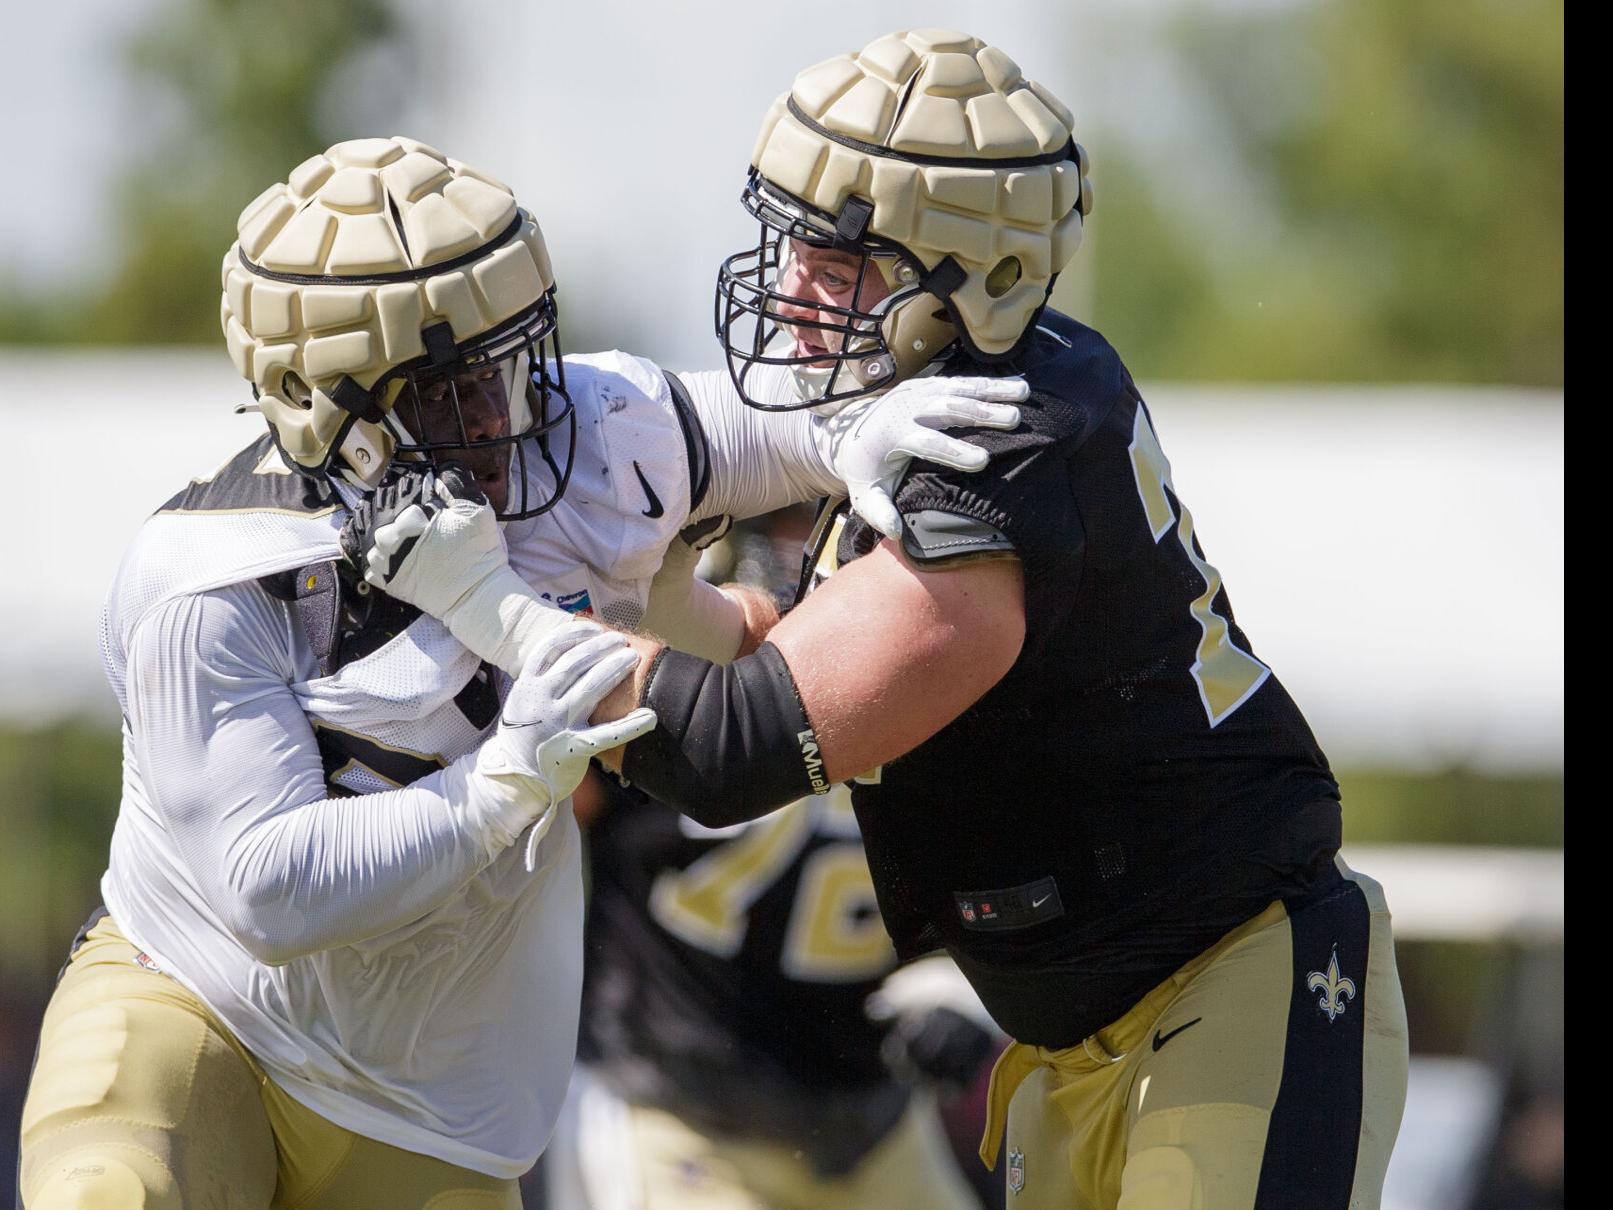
{"x":1267,"y":1073}
{"x":140,"y":1097}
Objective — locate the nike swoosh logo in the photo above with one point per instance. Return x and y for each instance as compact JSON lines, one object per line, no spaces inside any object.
{"x":1036,"y":903}
{"x":655,"y":510}
{"x":1160,"y":1039}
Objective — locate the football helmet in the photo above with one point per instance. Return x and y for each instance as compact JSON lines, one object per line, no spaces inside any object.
{"x":361,"y":292}
{"x":949,"y":184}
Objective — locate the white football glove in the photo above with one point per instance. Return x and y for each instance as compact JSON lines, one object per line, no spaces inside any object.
{"x":541,"y":749}
{"x":431,"y":539}
{"x":869,"y":444}
{"x":426,"y":538}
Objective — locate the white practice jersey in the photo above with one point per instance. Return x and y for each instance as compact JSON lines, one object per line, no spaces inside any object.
{"x":632,"y":483}
{"x":294,"y":847}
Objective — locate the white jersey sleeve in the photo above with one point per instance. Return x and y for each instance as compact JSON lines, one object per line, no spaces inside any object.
{"x":231,"y":772}
{"x":760,"y":461}
{"x":691,"y":615}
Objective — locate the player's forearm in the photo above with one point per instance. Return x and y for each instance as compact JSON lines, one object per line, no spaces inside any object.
{"x":685,"y":612}
{"x":230,"y":766}
{"x":732,"y":743}
{"x":290,"y":871}
{"x":760,"y":611}
{"x":336,"y":871}
{"x":502,"y":619}
{"x":688,"y":614}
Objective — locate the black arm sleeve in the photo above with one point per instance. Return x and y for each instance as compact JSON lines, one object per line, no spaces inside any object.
{"x":732,"y":742}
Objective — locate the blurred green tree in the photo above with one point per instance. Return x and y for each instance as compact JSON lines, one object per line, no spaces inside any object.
{"x":1402,"y":215}
{"x":1399,"y":215}
{"x":238,"y":91}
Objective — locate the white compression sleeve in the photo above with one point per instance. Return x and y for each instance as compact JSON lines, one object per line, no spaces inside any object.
{"x":502,"y":618}
{"x":230,"y":765}
{"x":760,"y":461}
{"x":687,"y":613}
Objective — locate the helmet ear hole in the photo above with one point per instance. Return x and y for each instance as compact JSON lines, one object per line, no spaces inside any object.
{"x":296,"y":391}
{"x":1003,"y":276}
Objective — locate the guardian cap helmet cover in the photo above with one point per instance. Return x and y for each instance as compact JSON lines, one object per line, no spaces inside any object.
{"x":364,"y":286}
{"x":953,"y":178}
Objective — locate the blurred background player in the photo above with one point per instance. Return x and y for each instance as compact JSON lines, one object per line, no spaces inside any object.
{"x":314,"y":881}
{"x":729,"y":1052}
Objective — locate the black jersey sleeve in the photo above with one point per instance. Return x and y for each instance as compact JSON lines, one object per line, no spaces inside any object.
{"x":1024,"y":495}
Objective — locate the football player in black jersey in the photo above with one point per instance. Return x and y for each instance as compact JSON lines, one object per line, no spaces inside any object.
{"x":1072,"y":770}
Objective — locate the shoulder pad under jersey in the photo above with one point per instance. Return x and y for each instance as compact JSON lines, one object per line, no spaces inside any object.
{"x":935,"y":538}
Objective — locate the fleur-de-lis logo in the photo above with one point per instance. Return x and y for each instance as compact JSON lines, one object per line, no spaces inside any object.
{"x":1335,"y":990}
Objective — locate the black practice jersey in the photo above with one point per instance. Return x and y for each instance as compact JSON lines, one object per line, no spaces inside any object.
{"x":726,"y":971}
{"x":1139,"y":782}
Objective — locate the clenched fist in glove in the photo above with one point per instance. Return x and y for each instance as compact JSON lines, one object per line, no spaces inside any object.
{"x":543,"y":743}
{"x":868,"y":444}
{"x":383,"y":537}
{"x":431,"y":539}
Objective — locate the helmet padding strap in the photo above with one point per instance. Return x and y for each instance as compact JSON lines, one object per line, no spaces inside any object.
{"x":854,"y":219}
{"x":942,"y":280}
{"x":439,"y":342}
{"x":357,"y":400}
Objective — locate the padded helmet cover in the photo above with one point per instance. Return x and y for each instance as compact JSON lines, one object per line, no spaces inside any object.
{"x":960,"y":155}
{"x":338,"y":272}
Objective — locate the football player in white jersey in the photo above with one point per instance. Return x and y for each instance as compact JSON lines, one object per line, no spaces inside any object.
{"x":340,"y":956}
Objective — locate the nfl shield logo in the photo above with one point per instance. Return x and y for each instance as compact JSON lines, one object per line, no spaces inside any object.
{"x":969,"y":913}
{"x":1016,"y":1170}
